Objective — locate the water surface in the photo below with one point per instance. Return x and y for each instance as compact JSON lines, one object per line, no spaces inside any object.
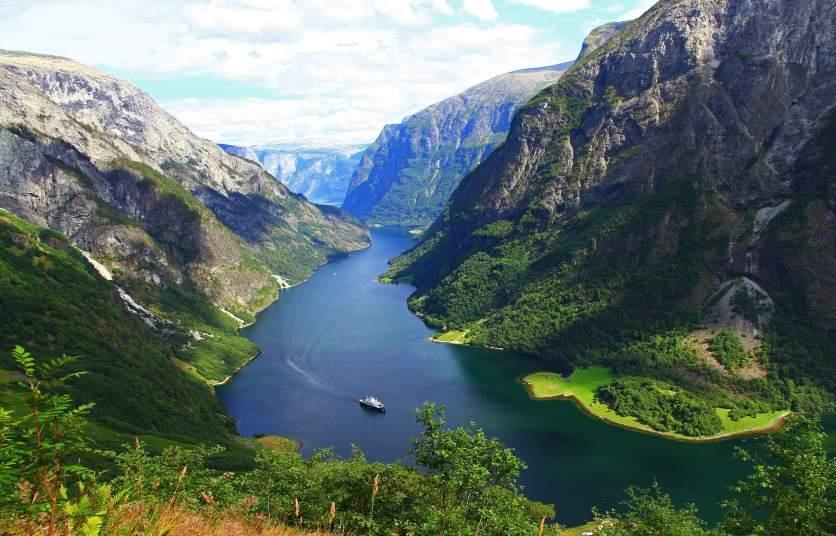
{"x":341,"y":335}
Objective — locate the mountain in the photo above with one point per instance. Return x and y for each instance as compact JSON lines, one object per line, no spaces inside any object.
{"x":669,"y":200}
{"x":599,"y":36}
{"x":187,"y":240}
{"x":406,"y":176}
{"x":319,"y":172}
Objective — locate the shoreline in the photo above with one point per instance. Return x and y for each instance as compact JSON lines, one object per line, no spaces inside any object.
{"x":285,"y":286}
{"x":774,"y":426}
{"x":462,"y":343}
{"x":216,"y":383}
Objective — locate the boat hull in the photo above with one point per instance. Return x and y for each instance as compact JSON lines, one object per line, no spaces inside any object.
{"x":368,"y":406}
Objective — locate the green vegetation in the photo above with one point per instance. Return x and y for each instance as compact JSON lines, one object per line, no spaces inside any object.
{"x":452,"y":337}
{"x":650,"y":511}
{"x":592,"y":527}
{"x":498,"y":230}
{"x":789,"y":492}
{"x":609,"y":287}
{"x":274,"y":443}
{"x":207,"y":339}
{"x":53,"y":301}
{"x":658,"y":406}
{"x":728,"y":349}
{"x":747,"y":424}
{"x":461,"y":482}
{"x":582,"y":385}
{"x":646,"y":405}
{"x":166,"y":187}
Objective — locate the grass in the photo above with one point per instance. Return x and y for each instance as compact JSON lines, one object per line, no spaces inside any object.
{"x":54,"y":302}
{"x":584,"y":383}
{"x":406,"y":280}
{"x":176,"y":520}
{"x":271,"y":443}
{"x":452,"y":337}
{"x":761,"y":421}
{"x":275,"y":443}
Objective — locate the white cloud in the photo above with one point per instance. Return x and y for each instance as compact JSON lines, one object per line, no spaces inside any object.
{"x":442,"y":7}
{"x":247,"y":121}
{"x":557,"y":6}
{"x":340,"y":72}
{"x":481,"y":9}
{"x":638,"y":10}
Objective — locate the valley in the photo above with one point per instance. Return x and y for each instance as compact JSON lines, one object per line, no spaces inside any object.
{"x":342,"y":335}
{"x":595,"y":297}
{"x":314,"y":169}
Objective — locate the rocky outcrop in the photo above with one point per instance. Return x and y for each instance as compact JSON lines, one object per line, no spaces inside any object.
{"x":599,"y":36}
{"x":97,"y":159}
{"x":690,"y":150}
{"x":319,"y":172}
{"x":407,"y":175}
{"x":185,"y":231}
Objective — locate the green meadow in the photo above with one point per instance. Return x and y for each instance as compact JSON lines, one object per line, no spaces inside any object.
{"x":584,"y":383}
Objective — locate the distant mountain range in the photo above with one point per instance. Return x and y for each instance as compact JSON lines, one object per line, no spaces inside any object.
{"x":407,"y":175}
{"x":319,"y":172}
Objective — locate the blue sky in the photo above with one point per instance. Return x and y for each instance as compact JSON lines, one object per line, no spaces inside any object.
{"x":280,"y":71}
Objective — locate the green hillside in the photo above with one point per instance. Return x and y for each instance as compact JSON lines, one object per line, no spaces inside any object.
{"x":53,"y":302}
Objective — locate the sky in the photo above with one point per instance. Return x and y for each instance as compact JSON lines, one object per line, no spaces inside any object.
{"x":252,"y":72}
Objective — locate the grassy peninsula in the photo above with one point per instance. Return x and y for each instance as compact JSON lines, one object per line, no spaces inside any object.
{"x":583,"y":387}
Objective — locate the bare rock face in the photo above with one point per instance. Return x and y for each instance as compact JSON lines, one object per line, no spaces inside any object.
{"x":599,"y":36}
{"x":708,"y":128}
{"x":97,"y":159}
{"x":684,"y":90}
{"x":407,"y":175}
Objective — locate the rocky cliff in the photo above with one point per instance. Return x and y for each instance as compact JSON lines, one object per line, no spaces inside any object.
{"x":599,"y":36}
{"x":675,"y":182}
{"x":193,"y":241}
{"x":407,"y":175}
{"x":319,"y":172}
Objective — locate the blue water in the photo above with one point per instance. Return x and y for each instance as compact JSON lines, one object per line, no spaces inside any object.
{"x":341,"y":335}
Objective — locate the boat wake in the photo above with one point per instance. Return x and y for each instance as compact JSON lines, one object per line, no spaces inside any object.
{"x":302,"y":363}
{"x":314,"y":380}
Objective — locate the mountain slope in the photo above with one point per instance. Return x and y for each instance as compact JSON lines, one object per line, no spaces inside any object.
{"x":107,"y":120}
{"x":52,"y":300}
{"x":676,"y":182}
{"x":319,"y":172}
{"x":406,"y":176}
{"x":599,"y":36}
{"x":194,"y":241}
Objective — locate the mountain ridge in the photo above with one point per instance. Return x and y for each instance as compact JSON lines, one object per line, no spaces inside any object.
{"x":318,"y":170}
{"x":638,"y":201}
{"x":195,"y":241}
{"x":408,"y":173}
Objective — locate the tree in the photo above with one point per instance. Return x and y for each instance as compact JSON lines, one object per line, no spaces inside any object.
{"x":792,"y":489}
{"x":650,"y":512}
{"x":38,"y":477}
{"x":476,"y":476}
